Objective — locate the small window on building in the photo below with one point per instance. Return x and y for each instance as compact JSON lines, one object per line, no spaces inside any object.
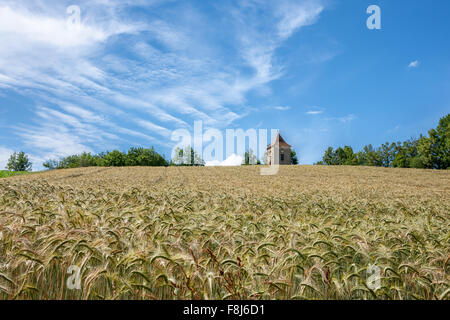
{"x":282,"y":155}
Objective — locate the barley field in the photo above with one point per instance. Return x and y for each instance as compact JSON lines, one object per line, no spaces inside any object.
{"x":309,"y":232}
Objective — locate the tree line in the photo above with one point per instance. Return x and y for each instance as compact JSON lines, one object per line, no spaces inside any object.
{"x":430,"y":152}
{"x":134,"y":157}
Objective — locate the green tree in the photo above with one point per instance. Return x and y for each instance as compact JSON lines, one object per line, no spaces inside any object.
{"x":340,"y":156}
{"x":144,"y":157}
{"x":186,"y":157}
{"x":329,"y":158}
{"x":19,"y":161}
{"x":294,"y":159}
{"x":114,"y":158}
{"x":87,"y":160}
{"x":434,"y":150}
{"x":264,"y":158}
{"x":51,"y":164}
{"x":401,"y":160}
{"x":134,"y":157}
{"x":249,"y":158}
{"x":426,"y":152}
{"x":406,"y":154}
{"x":370,"y":157}
{"x":72,"y":161}
{"x":386,"y":154}
{"x":349,"y":157}
{"x":99,"y":159}
{"x":416,"y":162}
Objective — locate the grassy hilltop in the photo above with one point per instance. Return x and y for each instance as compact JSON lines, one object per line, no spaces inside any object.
{"x":309,"y":232}
{"x":6,"y":173}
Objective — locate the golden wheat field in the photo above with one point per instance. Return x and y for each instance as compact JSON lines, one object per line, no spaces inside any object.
{"x":309,"y":232}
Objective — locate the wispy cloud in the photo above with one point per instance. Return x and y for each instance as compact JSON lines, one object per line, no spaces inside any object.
{"x":56,"y":134}
{"x":295,"y":15}
{"x":82,"y":113}
{"x":90,"y":91}
{"x":314,"y":112}
{"x":396,"y":128}
{"x":414,"y":64}
{"x":4,"y":156}
{"x":346,"y":119}
{"x":154,"y":128}
{"x":282,"y":108}
{"x":342,"y":119}
{"x":52,"y":31}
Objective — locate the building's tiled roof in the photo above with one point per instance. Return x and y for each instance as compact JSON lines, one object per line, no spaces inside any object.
{"x":279,"y":138}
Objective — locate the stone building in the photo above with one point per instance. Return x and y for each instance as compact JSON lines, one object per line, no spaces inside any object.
{"x":281,"y":148}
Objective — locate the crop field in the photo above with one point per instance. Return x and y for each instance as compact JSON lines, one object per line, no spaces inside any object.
{"x":309,"y":232}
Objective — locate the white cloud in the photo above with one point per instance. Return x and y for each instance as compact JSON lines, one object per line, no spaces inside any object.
{"x":56,"y":134}
{"x":343,"y":119}
{"x":295,"y":15}
{"x":282,"y":108}
{"x":348,"y":118}
{"x":84,"y":114}
{"x":396,"y":128}
{"x":46,"y":30}
{"x":53,"y":141}
{"x":231,"y":161}
{"x":414,"y":64}
{"x":314,"y":112}
{"x":154,"y":128}
{"x":5,"y":153}
{"x":159,"y":74}
{"x":24,"y":27}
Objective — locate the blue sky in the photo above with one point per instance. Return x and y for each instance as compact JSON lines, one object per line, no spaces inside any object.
{"x":133,"y":72}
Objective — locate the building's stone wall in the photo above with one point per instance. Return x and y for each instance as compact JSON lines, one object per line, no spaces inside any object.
{"x":287,"y":155}
{"x":283,"y":150}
